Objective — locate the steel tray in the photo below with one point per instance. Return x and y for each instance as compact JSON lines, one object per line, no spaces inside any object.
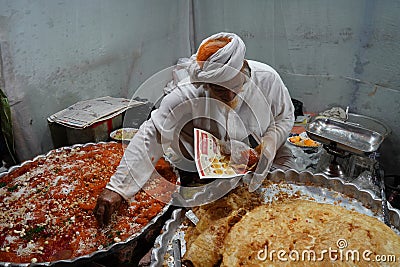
{"x":128,"y":244}
{"x":317,"y":187}
{"x":344,"y":136}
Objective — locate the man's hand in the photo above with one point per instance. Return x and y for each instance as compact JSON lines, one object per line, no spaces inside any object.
{"x":107,"y":202}
{"x":259,"y":149}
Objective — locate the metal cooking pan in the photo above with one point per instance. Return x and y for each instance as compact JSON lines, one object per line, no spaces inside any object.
{"x":315,"y":187}
{"x":130,"y":244}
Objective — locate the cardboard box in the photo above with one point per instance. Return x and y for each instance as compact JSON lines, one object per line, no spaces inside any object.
{"x":65,"y":136}
{"x":93,"y":120}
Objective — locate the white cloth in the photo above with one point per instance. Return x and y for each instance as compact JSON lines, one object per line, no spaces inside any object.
{"x":264,"y":109}
{"x":224,"y":64}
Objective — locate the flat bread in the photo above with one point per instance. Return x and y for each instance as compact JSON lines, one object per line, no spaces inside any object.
{"x":300,"y":228}
{"x":204,"y":242}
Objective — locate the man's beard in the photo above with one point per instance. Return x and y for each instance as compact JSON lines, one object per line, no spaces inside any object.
{"x":228,"y":104}
{"x":233,"y":103}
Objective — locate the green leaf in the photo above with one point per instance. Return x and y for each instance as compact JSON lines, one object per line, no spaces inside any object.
{"x":13,"y":188}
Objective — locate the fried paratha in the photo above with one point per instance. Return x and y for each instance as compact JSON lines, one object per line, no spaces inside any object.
{"x":302,"y":230}
{"x":205,"y":241}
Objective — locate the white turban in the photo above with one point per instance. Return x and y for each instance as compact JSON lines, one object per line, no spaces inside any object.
{"x":223,"y":65}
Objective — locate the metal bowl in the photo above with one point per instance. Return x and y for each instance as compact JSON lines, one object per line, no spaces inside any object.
{"x":123,"y":134}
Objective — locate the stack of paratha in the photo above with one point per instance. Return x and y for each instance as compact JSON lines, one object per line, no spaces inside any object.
{"x":238,"y":230}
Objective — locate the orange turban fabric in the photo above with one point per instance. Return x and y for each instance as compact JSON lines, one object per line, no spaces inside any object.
{"x":219,"y":59}
{"x":209,"y":48}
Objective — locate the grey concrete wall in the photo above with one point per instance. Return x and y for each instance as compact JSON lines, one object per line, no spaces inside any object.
{"x":329,"y":53}
{"x":56,"y":53}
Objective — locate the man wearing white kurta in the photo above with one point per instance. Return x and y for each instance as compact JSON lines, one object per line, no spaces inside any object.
{"x":228,"y":96}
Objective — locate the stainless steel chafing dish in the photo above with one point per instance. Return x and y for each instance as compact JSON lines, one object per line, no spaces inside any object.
{"x":318,"y":187}
{"x":129,"y":244}
{"x":344,"y":136}
{"x":369,"y":123}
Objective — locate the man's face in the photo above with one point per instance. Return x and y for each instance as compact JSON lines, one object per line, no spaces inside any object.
{"x":227,"y":91}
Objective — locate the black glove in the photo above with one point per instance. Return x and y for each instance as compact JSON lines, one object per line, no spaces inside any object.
{"x":107,"y":202}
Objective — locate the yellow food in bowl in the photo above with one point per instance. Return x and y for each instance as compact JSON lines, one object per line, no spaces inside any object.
{"x":295,"y":139}
{"x":309,"y":142}
{"x":304,"y":142}
{"x":124,"y":134}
